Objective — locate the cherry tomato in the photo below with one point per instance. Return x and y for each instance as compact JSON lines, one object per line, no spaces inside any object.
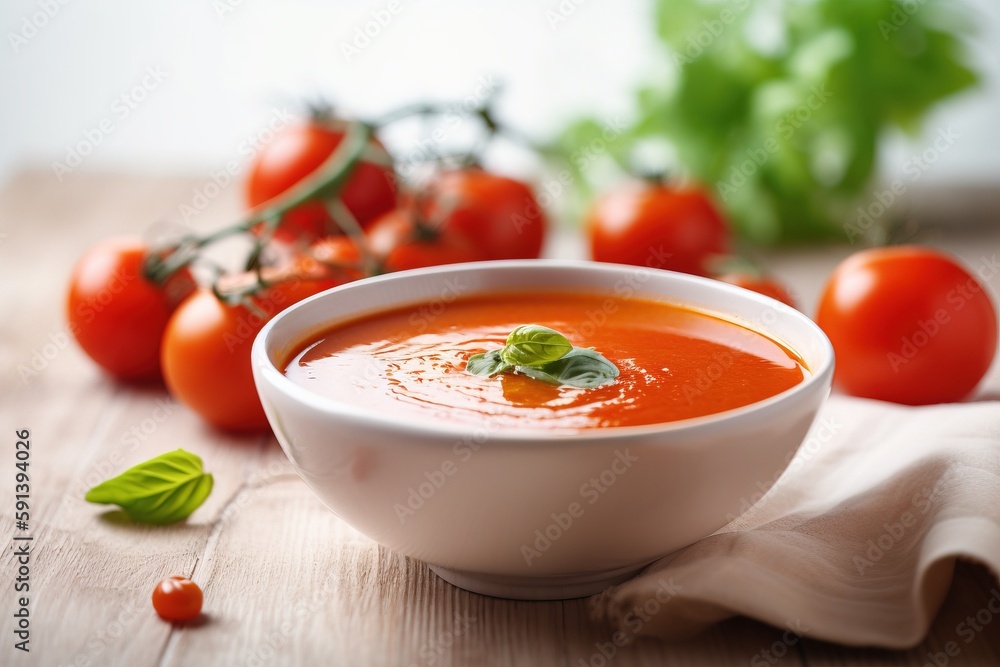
{"x":206,"y":352}
{"x":657,"y":225}
{"x":294,"y":154}
{"x":317,"y":269}
{"x":499,"y":215}
{"x":402,"y":243}
{"x":340,"y":255}
{"x":116,"y":314}
{"x":908,"y":324}
{"x":761,"y":284}
{"x":177,"y":599}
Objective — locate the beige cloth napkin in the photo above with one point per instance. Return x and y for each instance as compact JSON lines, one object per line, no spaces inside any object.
{"x":855,"y":543}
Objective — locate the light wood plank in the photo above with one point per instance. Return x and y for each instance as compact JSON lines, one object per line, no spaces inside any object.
{"x":286,"y":582}
{"x":92,"y":572}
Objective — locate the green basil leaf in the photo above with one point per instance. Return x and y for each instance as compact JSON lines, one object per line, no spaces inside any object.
{"x":487,"y":364}
{"x":583,"y":367}
{"x":165,"y":489}
{"x":545,"y":354}
{"x":534,"y":345}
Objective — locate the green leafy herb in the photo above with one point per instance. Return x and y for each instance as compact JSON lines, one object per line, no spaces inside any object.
{"x":162,"y":490}
{"x":545,"y":354}
{"x":786,"y":130}
{"x":583,"y":367}
{"x":487,"y":364}
{"x":534,"y":345}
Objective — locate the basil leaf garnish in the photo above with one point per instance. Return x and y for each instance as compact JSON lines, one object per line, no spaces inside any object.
{"x":487,"y":364}
{"x":545,"y":354}
{"x":165,"y":489}
{"x":582,"y":367}
{"x":534,"y":345}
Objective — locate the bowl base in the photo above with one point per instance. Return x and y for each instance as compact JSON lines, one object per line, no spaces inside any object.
{"x":559,"y":587}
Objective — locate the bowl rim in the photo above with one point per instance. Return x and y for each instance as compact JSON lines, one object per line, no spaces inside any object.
{"x":264,"y":370}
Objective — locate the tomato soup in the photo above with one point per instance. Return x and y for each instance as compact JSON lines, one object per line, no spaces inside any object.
{"x":675,"y":363}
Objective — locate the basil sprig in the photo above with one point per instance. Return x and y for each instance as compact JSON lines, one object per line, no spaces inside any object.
{"x":534,"y":345}
{"x":547,"y":355}
{"x":162,"y":490}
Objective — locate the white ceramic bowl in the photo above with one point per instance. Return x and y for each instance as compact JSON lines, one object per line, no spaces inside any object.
{"x":516,"y":515}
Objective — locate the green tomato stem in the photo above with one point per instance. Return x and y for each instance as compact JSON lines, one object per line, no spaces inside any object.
{"x":348,"y":224}
{"x":325,"y":182}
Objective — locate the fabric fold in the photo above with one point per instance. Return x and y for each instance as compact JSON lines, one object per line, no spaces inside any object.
{"x":855,"y":543}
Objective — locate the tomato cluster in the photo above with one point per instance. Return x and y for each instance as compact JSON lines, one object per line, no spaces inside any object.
{"x":139,"y":314}
{"x":325,"y":207}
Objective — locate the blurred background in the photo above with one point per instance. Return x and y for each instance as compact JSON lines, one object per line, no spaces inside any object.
{"x":185,"y":87}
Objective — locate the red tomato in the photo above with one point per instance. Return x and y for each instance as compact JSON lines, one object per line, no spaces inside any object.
{"x":206,"y":353}
{"x":116,"y":314}
{"x":760,"y":284}
{"x":294,"y":154}
{"x":177,"y":599}
{"x":497,"y":214}
{"x":340,"y":255}
{"x":306,"y":274}
{"x":656,"y":225}
{"x":401,"y":244}
{"x":909,"y":325}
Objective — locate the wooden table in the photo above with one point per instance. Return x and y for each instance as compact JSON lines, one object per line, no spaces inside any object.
{"x":286,"y":582}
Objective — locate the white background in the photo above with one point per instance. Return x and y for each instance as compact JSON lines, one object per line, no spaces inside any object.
{"x":227,"y":71}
